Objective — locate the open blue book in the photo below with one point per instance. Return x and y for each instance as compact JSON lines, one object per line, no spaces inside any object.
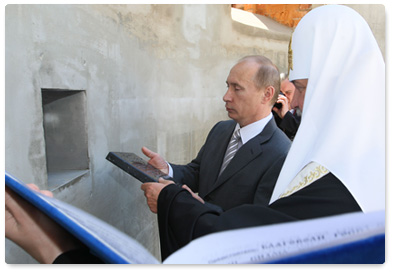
{"x":347,"y":238}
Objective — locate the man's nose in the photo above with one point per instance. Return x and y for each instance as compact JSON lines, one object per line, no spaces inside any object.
{"x":227,"y":96}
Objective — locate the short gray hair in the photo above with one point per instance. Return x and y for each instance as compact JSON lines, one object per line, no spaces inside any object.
{"x":267,"y":75}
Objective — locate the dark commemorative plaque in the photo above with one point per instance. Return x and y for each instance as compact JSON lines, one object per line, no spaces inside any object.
{"x":136,"y":166}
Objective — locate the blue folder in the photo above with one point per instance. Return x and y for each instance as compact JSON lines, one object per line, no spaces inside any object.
{"x":367,"y":251}
{"x":104,"y":241}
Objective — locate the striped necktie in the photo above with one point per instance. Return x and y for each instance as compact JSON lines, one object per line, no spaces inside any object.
{"x":232,"y":149}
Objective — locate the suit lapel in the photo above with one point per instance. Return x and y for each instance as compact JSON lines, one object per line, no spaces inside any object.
{"x":217,"y":154}
{"x":248,"y":152}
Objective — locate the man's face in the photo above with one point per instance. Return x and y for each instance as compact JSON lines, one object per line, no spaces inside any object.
{"x":300,"y":92}
{"x":288,"y":90}
{"x":243,"y":99}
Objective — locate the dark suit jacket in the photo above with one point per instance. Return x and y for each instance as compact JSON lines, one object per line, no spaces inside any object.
{"x":249,"y":177}
{"x":289,"y":124}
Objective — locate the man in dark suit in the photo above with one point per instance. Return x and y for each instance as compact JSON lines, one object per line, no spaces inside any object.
{"x":249,"y":178}
{"x":325,"y":173}
{"x":287,"y":119}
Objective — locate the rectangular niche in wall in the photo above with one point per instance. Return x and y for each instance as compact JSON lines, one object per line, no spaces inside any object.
{"x":66,"y":141}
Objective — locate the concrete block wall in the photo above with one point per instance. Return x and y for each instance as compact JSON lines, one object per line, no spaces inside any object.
{"x":152,"y":75}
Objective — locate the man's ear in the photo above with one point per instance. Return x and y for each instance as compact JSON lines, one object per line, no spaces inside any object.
{"x":268,"y":94}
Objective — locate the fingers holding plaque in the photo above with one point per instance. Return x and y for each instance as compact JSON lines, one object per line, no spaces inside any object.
{"x":136,"y":166}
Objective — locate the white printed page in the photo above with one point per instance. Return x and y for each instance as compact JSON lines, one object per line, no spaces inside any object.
{"x":115,"y":241}
{"x":268,"y":243}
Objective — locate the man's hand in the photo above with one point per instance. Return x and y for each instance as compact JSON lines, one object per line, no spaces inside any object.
{"x":152,"y":191}
{"x":284,"y":109}
{"x":156,"y":160}
{"x":197,"y":197}
{"x":33,"y":231}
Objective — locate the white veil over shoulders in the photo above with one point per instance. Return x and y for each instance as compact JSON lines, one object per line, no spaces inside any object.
{"x":343,"y":120}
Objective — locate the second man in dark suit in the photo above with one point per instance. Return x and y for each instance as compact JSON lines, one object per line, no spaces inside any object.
{"x":287,"y":119}
{"x":248,"y":173}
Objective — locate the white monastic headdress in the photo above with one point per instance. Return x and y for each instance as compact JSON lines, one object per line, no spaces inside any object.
{"x":343,"y":120}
